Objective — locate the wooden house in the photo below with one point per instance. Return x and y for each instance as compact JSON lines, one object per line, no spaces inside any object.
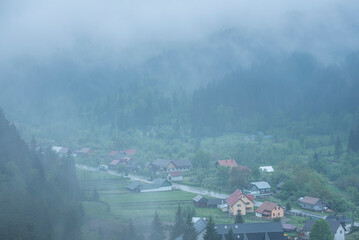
{"x":269,"y":210}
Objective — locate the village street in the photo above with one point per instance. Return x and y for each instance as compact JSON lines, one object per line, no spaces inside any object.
{"x":196,"y":190}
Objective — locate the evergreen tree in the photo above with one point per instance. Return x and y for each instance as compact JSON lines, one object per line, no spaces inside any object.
{"x":156,"y":229}
{"x":189,"y":230}
{"x":239,"y":218}
{"x":178,"y":227}
{"x":211,"y":233}
{"x":230,"y":235}
{"x":338,"y":148}
{"x":351,"y":141}
{"x":288,"y":207}
{"x":321,"y":231}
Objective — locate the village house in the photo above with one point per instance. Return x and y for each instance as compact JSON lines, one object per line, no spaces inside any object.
{"x":269,"y":210}
{"x":61,"y":151}
{"x":175,"y":176}
{"x":251,"y":231}
{"x":344,"y":221}
{"x":161,"y":165}
{"x":266,"y":169}
{"x":239,"y":203}
{"x":216,"y":202}
{"x":310,"y":203}
{"x":258,"y":188}
{"x":114,"y":164}
{"x":84,"y":151}
{"x":337,"y":229}
{"x":128,"y":152}
{"x":158,"y":185}
{"x":200,"y":201}
{"x":179,"y":165}
{"x":134,"y":187}
{"x":227,"y":163}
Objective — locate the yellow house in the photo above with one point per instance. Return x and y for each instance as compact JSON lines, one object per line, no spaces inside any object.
{"x":238,"y":202}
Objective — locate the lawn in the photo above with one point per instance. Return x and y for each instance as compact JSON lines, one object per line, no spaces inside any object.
{"x":124,"y":205}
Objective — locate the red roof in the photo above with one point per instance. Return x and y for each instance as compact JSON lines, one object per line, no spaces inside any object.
{"x":113,"y":153}
{"x":235,"y":197}
{"x":129,"y":152}
{"x":227,"y":163}
{"x":250,"y":197}
{"x":266,"y":207}
{"x":114,"y":162}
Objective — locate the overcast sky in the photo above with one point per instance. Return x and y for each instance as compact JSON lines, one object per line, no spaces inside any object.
{"x":42,"y":28}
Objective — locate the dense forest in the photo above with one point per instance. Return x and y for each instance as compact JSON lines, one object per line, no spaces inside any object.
{"x":295,"y":92}
{"x":38,"y":190}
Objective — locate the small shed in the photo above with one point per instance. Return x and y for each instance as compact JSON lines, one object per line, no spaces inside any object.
{"x":200,"y":201}
{"x":158,"y":185}
{"x":134,"y":187}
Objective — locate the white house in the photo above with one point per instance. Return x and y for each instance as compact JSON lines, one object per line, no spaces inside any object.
{"x":266,"y":169}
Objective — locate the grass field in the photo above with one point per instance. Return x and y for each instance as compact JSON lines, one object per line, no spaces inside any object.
{"x":118,"y":203}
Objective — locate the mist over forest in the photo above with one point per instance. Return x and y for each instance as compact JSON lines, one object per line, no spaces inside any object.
{"x":262,"y":82}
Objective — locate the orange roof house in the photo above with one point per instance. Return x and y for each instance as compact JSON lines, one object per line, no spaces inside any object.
{"x":269,"y":210}
{"x":239,"y":203}
{"x":227,"y":163}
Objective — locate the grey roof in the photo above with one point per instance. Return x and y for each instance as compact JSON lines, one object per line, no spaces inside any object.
{"x":333,"y":224}
{"x":215,"y":201}
{"x":250,"y":227}
{"x":157,"y":183}
{"x":182,"y":163}
{"x":197,"y":198}
{"x":261,"y":185}
{"x":200,"y":225}
{"x":341,"y":219}
{"x":161,"y":163}
{"x":251,"y":231}
{"x":132,"y":186}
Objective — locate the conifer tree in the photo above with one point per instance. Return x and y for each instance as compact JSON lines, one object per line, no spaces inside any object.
{"x":178,"y":227}
{"x":338,"y":148}
{"x":189,"y":230}
{"x":230,"y":234}
{"x":156,"y":229}
{"x":211,"y":233}
{"x":239,"y":218}
{"x":321,"y":231}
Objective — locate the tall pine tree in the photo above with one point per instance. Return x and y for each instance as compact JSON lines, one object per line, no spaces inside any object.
{"x":157,"y":229}
{"x":178,"y":227}
{"x":211,"y":233}
{"x":189,"y":230}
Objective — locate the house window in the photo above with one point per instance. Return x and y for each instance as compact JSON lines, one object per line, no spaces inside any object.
{"x":278,"y":214}
{"x":238,"y":205}
{"x":247,"y":203}
{"x":340,"y":231}
{"x":273,"y":214}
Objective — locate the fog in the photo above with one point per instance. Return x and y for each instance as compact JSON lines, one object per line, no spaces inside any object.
{"x":131,"y":31}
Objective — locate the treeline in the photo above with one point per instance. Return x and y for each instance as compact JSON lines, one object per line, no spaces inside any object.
{"x":296,"y":92}
{"x":277,"y":92}
{"x":38,"y":191}
{"x":270,"y":94}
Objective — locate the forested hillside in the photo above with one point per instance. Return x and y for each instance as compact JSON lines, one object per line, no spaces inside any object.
{"x":38,"y":191}
{"x":296,"y":92}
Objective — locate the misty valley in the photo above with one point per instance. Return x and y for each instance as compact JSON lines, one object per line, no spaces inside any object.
{"x":179,"y":120}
